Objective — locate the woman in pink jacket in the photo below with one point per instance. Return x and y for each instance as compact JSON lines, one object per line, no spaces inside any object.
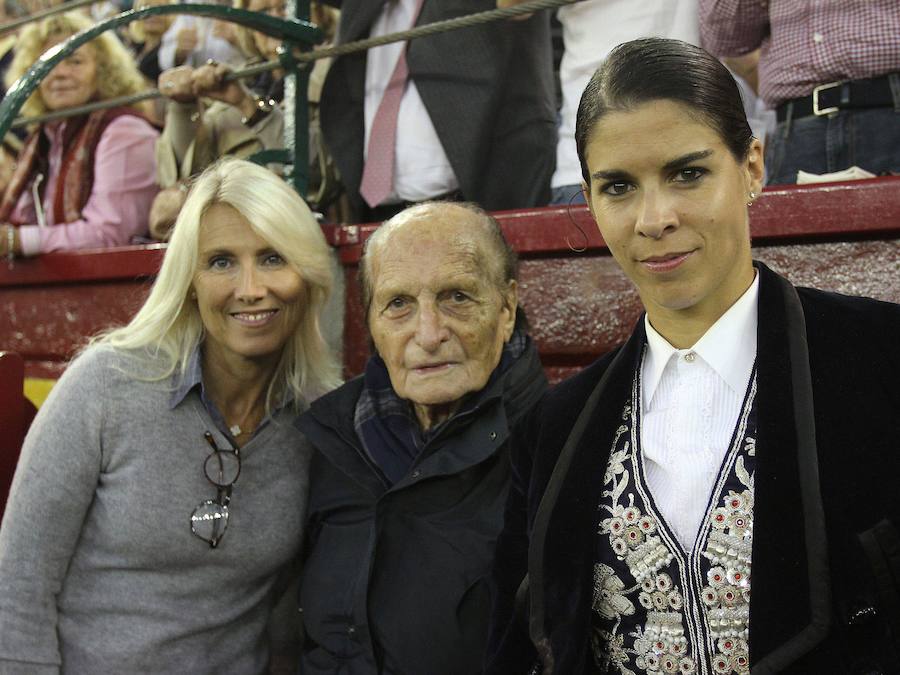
{"x":85,"y":181}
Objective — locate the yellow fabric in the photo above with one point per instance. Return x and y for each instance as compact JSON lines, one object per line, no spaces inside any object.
{"x":37,"y":389}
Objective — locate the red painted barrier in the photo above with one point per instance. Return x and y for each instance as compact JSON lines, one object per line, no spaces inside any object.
{"x":843,"y":237}
{"x":16,"y":413}
{"x":839,"y":236}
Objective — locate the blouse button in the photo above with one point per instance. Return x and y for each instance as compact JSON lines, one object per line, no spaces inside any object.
{"x":689,"y":357}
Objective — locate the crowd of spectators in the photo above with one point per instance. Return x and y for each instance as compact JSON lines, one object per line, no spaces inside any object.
{"x":403,"y":123}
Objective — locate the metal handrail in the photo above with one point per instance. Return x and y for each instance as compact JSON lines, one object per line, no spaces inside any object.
{"x":44,"y":13}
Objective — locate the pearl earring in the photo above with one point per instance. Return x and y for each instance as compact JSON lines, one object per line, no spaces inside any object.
{"x":752,"y":197}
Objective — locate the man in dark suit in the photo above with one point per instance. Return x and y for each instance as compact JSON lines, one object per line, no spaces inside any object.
{"x":468,"y":114}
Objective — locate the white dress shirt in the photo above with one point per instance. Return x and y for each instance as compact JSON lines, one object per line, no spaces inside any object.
{"x":590,"y":31}
{"x":209,"y":46}
{"x":690,"y":403}
{"x":421,"y":167}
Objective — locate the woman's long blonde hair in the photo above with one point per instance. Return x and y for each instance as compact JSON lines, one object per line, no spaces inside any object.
{"x":117,"y":73}
{"x":168,"y":327}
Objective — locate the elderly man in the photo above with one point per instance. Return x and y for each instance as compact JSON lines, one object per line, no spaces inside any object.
{"x":411,"y":471}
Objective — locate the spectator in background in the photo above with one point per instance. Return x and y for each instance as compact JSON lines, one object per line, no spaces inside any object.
{"x":591,"y":30}
{"x":7,"y":42}
{"x":830,"y":69}
{"x":194,"y":40}
{"x":244,"y":117}
{"x":85,"y":181}
{"x":147,"y":35}
{"x":474,"y":119}
{"x":11,"y":144}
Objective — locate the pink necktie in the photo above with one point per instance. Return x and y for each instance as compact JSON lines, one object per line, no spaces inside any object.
{"x":378,"y":173}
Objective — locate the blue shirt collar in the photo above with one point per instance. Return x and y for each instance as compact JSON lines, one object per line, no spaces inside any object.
{"x":192,"y":378}
{"x":185,"y":382}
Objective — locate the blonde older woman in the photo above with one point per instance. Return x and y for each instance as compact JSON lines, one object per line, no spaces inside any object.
{"x":90,"y":179}
{"x":159,"y":501}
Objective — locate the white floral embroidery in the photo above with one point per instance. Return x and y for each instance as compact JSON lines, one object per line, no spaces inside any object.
{"x":727,"y":595}
{"x":608,"y":599}
{"x":662,"y":644}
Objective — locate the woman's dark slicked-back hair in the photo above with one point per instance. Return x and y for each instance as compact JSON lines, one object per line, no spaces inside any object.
{"x":651,"y":69}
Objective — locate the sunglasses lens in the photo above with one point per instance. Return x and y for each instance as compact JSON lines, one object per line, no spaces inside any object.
{"x":222,"y":468}
{"x":209,"y":520}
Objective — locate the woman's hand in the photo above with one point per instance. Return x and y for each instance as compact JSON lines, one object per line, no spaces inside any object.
{"x":177,"y":84}
{"x":186,"y":41}
{"x":164,"y":211}
{"x":209,"y":81}
{"x":226,"y":31}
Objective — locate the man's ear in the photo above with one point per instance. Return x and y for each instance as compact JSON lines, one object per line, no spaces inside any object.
{"x":510,"y":304}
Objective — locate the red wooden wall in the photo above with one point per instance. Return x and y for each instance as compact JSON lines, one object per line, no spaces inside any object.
{"x":16,"y":413}
{"x":840,"y":236}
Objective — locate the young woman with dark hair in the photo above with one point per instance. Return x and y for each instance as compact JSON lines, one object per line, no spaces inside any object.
{"x":701,"y":499}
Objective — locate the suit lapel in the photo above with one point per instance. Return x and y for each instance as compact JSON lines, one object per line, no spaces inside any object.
{"x":789,"y":604}
{"x":357,"y":19}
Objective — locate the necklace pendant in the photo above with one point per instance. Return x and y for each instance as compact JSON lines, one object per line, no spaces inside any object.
{"x":235,"y":429}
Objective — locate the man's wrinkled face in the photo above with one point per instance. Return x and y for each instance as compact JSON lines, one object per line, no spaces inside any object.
{"x":437,"y":317}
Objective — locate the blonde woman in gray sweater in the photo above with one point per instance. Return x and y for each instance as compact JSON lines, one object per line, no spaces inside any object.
{"x":159,"y":501}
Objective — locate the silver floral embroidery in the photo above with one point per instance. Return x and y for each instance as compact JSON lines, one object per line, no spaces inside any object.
{"x":661,"y":645}
{"x":727,"y":593}
{"x":613,"y":651}
{"x":609,"y":602}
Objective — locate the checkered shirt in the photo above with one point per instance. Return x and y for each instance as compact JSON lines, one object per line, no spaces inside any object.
{"x":805,"y":43}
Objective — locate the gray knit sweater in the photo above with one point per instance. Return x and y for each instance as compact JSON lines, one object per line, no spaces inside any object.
{"x":99,"y":571}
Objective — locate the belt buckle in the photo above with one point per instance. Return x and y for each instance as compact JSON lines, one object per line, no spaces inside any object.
{"x":815,"y":99}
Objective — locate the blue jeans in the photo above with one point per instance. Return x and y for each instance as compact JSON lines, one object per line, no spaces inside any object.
{"x":566,"y":195}
{"x":868,"y":138}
